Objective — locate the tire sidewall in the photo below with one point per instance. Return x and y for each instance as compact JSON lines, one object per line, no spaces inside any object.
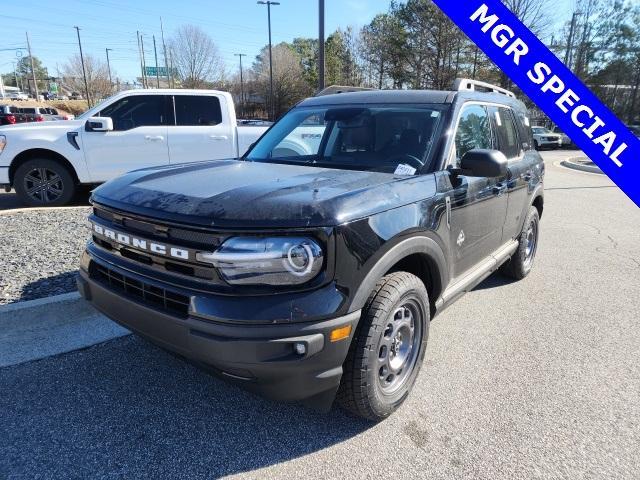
{"x":68,"y":184}
{"x":522,"y":247}
{"x":385,"y":404}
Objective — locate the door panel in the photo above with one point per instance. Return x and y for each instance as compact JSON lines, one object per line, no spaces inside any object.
{"x":202,"y":131}
{"x":138,"y":140}
{"x":478,"y":204}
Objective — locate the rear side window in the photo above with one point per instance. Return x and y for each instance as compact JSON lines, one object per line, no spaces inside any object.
{"x":194,"y":110}
{"x":28,"y":110}
{"x":137,"y":111}
{"x":474,"y":130}
{"x":507,"y":133}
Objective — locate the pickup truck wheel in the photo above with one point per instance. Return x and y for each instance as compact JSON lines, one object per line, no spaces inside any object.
{"x":388,"y":348}
{"x":522,"y":260}
{"x":44,"y":183}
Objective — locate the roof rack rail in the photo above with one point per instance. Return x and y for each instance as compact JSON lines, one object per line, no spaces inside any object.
{"x":333,"y":89}
{"x":462,"y":84}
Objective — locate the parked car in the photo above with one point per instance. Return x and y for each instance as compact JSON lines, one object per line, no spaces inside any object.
{"x":565,"y":139}
{"x":46,"y":113}
{"x":75,"y":96}
{"x":19,"y":96}
{"x":10,"y":115}
{"x":545,"y":138}
{"x":306,"y":276}
{"x":133,"y":129}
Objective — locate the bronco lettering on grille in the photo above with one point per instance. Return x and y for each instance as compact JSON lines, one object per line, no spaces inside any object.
{"x":141,"y":244}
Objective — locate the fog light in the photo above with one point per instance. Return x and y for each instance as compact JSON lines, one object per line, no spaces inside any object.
{"x":300,"y":348}
{"x":340,"y":333}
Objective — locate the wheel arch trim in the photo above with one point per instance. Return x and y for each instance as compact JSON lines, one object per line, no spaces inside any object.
{"x":419,"y":244}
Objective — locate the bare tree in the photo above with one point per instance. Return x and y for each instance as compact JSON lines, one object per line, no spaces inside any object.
{"x":535,"y":14}
{"x":196,"y":58}
{"x":97,"y":76}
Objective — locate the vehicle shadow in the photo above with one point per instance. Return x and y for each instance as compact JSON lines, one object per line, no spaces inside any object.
{"x":495,"y":280}
{"x":126,"y":408}
{"x":10,"y":200}
{"x":48,"y":286}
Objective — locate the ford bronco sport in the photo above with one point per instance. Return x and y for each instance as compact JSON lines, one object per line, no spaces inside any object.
{"x":309,"y":269}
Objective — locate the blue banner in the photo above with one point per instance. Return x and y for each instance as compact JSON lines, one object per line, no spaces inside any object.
{"x":552,"y":86}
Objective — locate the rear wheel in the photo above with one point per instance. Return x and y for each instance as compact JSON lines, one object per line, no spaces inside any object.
{"x":42,"y":182}
{"x":522,"y":260}
{"x":388,"y":348}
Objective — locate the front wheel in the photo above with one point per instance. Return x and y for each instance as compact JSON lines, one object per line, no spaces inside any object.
{"x":388,"y":348}
{"x":522,"y":260}
{"x":42,"y":182}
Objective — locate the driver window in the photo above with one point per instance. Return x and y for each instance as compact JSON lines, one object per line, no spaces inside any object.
{"x":474,"y":131}
{"x":136,"y":111}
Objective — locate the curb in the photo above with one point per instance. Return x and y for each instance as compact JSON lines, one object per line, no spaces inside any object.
{"x":41,"y":328}
{"x":569,"y":163}
{"x":39,"y":209}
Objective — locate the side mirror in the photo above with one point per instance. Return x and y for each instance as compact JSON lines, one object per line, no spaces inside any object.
{"x":484,"y":163}
{"x":99,"y":124}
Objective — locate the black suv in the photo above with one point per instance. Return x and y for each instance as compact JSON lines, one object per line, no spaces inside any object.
{"x":312,"y":266}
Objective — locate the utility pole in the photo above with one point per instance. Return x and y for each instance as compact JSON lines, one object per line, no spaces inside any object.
{"x":33,"y":70}
{"x":155,"y":52}
{"x":107,"y":50}
{"x":164,"y":48}
{"x":141,"y":63}
{"x":173,"y":82}
{"x":321,"y":46}
{"x":84,"y":73}
{"x":271,"y":103}
{"x":144,"y":63}
{"x":241,"y":82}
{"x":15,"y":74}
{"x":568,"y":56}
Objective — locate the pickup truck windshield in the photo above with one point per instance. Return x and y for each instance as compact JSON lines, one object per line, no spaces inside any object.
{"x":370,"y":138}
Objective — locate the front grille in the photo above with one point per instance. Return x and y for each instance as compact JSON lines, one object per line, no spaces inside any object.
{"x":155,"y":297}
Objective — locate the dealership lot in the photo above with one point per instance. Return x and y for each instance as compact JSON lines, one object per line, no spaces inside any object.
{"x":532,"y":379}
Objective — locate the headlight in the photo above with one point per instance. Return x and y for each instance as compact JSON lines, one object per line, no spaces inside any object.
{"x":3,"y":142}
{"x":266,"y":261}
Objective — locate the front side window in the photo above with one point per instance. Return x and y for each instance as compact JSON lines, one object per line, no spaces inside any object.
{"x":136,"y":111}
{"x":358,"y":137}
{"x":474,"y":130}
{"x":199,"y":110}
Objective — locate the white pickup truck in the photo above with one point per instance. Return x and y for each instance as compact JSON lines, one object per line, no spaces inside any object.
{"x":45,"y":162}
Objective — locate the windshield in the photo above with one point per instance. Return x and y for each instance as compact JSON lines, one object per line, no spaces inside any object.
{"x":371,"y":138}
{"x":95,"y":109}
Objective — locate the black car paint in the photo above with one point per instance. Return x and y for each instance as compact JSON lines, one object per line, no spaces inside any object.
{"x":369,"y":223}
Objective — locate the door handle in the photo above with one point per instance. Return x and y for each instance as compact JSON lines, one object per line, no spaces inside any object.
{"x":527,"y":176}
{"x":499,"y":189}
{"x":154,"y":138}
{"x":218,"y":137}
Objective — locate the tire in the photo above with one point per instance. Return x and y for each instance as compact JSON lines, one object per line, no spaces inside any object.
{"x":380,"y":369}
{"x":58,"y":189}
{"x":521,"y":263}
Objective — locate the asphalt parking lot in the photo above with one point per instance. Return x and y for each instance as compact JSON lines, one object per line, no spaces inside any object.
{"x":522,"y":380}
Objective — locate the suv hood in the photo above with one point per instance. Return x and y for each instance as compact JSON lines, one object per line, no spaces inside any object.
{"x":242,"y":194}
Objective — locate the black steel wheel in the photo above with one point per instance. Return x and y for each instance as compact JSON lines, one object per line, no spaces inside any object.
{"x":521,"y":263}
{"x":44,"y":182}
{"x":387,"y":349}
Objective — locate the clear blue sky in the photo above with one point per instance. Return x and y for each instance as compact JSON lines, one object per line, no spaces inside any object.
{"x":237,"y":26}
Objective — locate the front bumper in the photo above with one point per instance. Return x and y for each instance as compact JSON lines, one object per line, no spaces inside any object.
{"x":261,"y":358}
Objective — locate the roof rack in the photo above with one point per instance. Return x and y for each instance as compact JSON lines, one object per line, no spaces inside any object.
{"x":462,"y":84}
{"x":333,"y":89}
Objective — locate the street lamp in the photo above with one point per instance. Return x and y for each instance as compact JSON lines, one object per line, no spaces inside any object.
{"x":268,"y":4}
{"x":241,"y":82}
{"x":107,"y":50}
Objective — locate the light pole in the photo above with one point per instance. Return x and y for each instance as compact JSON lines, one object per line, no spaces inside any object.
{"x":84,"y":73}
{"x":568,"y":56}
{"x":268,"y":4}
{"x":241,"y":82}
{"x":321,"y":45}
{"x":107,"y":50}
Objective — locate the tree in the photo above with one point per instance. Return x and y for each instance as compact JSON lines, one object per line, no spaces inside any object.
{"x":289,"y":85}
{"x":382,"y":48}
{"x":97,"y":73}
{"x":25,"y":77}
{"x":196,"y":58}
